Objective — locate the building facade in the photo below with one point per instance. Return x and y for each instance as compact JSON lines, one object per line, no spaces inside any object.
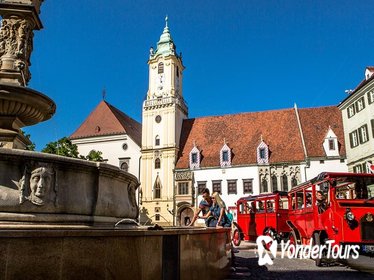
{"x":358,"y":119}
{"x":251,"y":153}
{"x":113,"y":133}
{"x":236,"y":155}
{"x":163,"y":113}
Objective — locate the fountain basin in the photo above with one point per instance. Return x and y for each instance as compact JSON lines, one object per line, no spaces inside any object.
{"x":107,"y":253}
{"x":43,"y":188}
{"x":20,"y":106}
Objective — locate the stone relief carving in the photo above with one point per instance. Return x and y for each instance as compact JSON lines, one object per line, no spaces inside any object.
{"x":185,"y":175}
{"x":37,"y":186}
{"x":16,"y":44}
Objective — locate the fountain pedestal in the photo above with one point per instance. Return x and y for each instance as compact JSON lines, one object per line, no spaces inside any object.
{"x":19,"y":105}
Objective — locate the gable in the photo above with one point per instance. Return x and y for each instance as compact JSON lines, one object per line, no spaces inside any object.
{"x":106,"y":120}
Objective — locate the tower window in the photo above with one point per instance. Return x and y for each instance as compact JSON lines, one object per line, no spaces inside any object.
{"x":157,"y":140}
{"x":157,"y":188}
{"x":177,"y":69}
{"x":160,"y":68}
{"x":157,"y":163}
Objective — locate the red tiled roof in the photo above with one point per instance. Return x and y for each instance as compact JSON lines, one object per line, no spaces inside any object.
{"x":315,"y":123}
{"x":105,"y":119}
{"x":371,"y":68}
{"x":243,"y":132}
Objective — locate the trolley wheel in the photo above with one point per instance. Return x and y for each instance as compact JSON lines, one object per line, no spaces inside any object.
{"x":293,"y":240}
{"x":272,"y":234}
{"x":236,"y":237}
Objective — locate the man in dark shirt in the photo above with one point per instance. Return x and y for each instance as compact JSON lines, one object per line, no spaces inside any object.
{"x":204,"y":206}
{"x":321,"y":202}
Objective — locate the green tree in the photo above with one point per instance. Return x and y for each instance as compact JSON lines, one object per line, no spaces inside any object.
{"x":62,"y":147}
{"x":94,"y":155}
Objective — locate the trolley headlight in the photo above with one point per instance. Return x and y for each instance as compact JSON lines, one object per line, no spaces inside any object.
{"x":349,"y":215}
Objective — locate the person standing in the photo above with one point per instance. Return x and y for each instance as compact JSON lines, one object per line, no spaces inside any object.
{"x":217,"y":213}
{"x":204,"y":207}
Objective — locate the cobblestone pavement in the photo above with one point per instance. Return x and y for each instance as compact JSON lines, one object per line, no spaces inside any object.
{"x":246,"y":267}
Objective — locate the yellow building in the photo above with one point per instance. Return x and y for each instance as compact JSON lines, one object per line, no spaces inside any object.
{"x":163,"y":113}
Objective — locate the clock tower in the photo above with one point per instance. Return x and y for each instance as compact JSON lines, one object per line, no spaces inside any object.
{"x":163,"y":113}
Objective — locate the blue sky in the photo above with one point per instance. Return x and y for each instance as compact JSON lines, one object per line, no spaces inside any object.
{"x":240,"y":55}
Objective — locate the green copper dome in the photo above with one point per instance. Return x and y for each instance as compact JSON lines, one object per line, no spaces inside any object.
{"x":165,"y":45}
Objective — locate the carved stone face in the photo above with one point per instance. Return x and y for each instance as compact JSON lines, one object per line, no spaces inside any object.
{"x":40,"y":185}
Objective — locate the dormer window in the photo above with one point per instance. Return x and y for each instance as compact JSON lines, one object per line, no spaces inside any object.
{"x":330,"y":144}
{"x":262,"y":153}
{"x":369,"y":72}
{"x":194,"y":158}
{"x":225,"y":156}
{"x":160,"y":68}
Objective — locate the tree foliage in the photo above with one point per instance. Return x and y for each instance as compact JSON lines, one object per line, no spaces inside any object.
{"x":62,"y":147}
{"x":94,"y":155}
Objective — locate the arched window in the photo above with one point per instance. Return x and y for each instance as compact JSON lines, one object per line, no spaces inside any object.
{"x":294,"y":181}
{"x":160,"y":68}
{"x":285,"y":182}
{"x":157,"y":163}
{"x":264,"y":185}
{"x":125,"y":166}
{"x":274,"y":182}
{"x":157,"y":188}
{"x":157,"y":140}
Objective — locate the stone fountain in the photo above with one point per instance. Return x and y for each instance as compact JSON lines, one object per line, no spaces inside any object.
{"x":64,"y":218}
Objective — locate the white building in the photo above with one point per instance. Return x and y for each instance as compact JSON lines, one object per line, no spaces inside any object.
{"x":358,"y":119}
{"x":113,"y":133}
{"x":252,"y":153}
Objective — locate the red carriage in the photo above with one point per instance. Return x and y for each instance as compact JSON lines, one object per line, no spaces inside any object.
{"x":264,"y":214}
